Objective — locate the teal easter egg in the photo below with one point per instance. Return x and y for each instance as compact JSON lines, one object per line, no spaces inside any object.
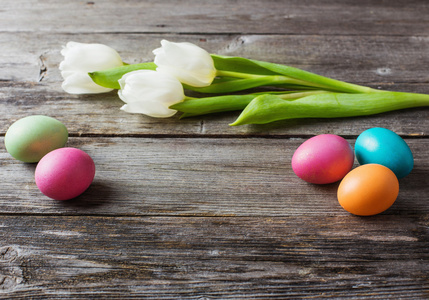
{"x":30,"y":138}
{"x":383,"y":146}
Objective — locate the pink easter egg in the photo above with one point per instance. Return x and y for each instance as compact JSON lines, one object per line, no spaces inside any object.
{"x":323,"y":159}
{"x":64,"y":173}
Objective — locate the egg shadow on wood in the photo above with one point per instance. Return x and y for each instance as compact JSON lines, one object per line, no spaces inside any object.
{"x":411,"y":198}
{"x":98,"y":194}
{"x":31,"y":167}
{"x":328,"y":188}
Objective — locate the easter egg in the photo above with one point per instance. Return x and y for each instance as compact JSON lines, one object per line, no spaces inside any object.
{"x":383,"y":146}
{"x":323,"y":159}
{"x":30,"y":138}
{"x":368,"y":190}
{"x":64,"y":173}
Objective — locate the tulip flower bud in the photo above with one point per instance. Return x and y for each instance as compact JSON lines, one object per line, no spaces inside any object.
{"x":187,"y":62}
{"x":150,"y":93}
{"x":79,"y":60}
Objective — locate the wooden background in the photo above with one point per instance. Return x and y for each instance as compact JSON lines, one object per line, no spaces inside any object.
{"x":193,"y":208}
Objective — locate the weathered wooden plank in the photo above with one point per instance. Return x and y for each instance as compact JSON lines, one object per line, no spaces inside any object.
{"x":101,"y":115}
{"x":193,"y":258}
{"x":398,"y":17}
{"x":368,"y":60}
{"x":192,"y":176}
{"x":394,"y":63}
{"x":194,"y":209}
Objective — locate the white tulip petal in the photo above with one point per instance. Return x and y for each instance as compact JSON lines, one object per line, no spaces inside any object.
{"x":154,"y":110}
{"x":80,"y":59}
{"x":81,"y":83}
{"x":151,"y":93}
{"x":187,"y":62}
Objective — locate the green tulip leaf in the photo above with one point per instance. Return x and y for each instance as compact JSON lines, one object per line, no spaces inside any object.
{"x":269,"y":108}
{"x":109,"y":78}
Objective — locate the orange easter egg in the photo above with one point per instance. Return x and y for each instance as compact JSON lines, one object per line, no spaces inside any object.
{"x":368,"y":190}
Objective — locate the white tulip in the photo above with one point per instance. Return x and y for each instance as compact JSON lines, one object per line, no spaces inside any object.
{"x":79,"y":60}
{"x":187,"y":62}
{"x":150,"y":93}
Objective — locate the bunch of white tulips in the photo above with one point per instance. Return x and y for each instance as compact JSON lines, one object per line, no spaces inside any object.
{"x":144,"y":91}
{"x":157,"y":88}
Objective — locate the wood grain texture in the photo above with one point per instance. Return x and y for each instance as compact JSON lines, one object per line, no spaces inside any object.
{"x":368,"y":60}
{"x":87,"y":115}
{"x":32,"y":82}
{"x":331,"y":17}
{"x":193,"y":208}
{"x":192,"y":176}
{"x":214,"y":258}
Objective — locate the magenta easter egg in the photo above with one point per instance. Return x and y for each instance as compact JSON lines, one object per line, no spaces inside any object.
{"x":323,"y":159}
{"x":64,"y":173}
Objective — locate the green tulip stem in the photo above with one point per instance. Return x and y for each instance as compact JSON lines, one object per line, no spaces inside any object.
{"x":262,"y":80}
{"x":249,"y":66}
{"x":223,"y":73}
{"x":201,"y":106}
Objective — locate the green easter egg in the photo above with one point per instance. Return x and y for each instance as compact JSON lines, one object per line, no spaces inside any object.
{"x":30,"y":138}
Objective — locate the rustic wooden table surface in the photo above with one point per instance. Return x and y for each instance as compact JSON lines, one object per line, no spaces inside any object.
{"x":194,"y":208}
